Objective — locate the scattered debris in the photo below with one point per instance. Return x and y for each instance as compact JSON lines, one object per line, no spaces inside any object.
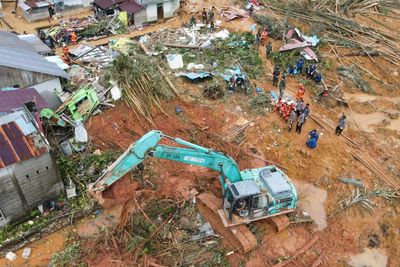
{"x":351,"y":181}
{"x":352,"y":74}
{"x":140,"y":82}
{"x":95,"y":56}
{"x":175,"y":61}
{"x":231,"y":13}
{"x":260,"y":104}
{"x":373,"y":240}
{"x":11,"y":256}
{"x":215,"y":89}
{"x":26,"y":253}
{"x":363,"y":198}
{"x":276,"y":29}
{"x":194,"y":75}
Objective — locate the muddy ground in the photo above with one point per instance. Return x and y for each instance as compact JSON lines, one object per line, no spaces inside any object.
{"x":344,"y":238}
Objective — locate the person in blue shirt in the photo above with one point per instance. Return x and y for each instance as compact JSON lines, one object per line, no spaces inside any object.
{"x":300,"y":64}
{"x":312,"y":139}
{"x":311,"y":70}
{"x":291,"y":70}
{"x":317,"y":77}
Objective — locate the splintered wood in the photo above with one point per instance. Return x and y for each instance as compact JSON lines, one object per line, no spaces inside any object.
{"x":305,"y":248}
{"x":239,"y":128}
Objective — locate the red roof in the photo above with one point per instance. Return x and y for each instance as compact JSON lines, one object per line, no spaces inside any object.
{"x":105,"y":4}
{"x":15,"y":99}
{"x":131,"y":7}
{"x":15,"y":146}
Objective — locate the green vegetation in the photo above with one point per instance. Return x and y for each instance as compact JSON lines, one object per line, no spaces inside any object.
{"x":238,"y":48}
{"x":83,"y":169}
{"x":35,"y":221}
{"x":260,"y":104}
{"x":141,"y":83}
{"x":100,"y":28}
{"x":69,"y":256}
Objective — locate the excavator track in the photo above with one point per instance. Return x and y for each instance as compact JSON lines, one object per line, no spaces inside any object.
{"x":238,"y":237}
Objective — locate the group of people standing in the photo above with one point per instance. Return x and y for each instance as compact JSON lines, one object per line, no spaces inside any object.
{"x":206,"y":18}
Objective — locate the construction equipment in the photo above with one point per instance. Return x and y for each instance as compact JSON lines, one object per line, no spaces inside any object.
{"x":77,"y":107}
{"x":249,"y":195}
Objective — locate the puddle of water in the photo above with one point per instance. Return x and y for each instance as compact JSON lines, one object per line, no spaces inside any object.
{"x":366,"y":121}
{"x":42,"y":250}
{"x":311,"y":200}
{"x":89,"y":226}
{"x":369,"y":258}
{"x":394,"y":125}
{"x":360,"y":97}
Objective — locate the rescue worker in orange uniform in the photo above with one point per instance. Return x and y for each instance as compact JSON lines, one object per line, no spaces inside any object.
{"x":73,"y":37}
{"x":264,"y":36}
{"x":65,"y":53}
{"x":300,"y":91}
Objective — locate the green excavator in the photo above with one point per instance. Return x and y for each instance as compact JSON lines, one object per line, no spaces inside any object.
{"x":248,"y":195}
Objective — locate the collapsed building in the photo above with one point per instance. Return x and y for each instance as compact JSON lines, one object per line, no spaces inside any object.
{"x":139,"y":12}
{"x":22,"y":67}
{"x":28,"y":176}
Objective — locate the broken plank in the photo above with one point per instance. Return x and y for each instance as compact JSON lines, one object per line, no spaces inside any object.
{"x":318,"y":261}
{"x":169,"y":82}
{"x":299,"y":252}
{"x":181,"y":46}
{"x":306,"y":247}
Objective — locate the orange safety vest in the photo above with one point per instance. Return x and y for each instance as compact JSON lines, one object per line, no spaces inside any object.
{"x":264,"y":35}
{"x":65,"y":50}
{"x":73,"y":37}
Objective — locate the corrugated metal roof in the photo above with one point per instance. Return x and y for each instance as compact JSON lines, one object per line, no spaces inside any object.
{"x":15,"y":99}
{"x":105,"y":4}
{"x":35,"y":43}
{"x":11,"y":41}
{"x":15,"y":53}
{"x":21,"y":119}
{"x":58,"y":61}
{"x":95,"y":55}
{"x":131,"y":7}
{"x":15,"y":146}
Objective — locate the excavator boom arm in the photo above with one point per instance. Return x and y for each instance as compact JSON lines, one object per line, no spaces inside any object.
{"x":193,"y":155}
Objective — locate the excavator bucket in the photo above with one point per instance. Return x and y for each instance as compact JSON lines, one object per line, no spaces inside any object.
{"x":238,"y":237}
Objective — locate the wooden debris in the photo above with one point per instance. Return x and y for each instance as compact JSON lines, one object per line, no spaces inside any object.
{"x":318,"y":261}
{"x":299,"y":252}
{"x":375,"y":168}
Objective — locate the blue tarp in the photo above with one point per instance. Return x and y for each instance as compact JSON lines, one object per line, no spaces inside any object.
{"x":194,"y":75}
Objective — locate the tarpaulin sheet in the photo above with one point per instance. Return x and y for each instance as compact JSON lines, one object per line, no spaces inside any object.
{"x":194,"y":75}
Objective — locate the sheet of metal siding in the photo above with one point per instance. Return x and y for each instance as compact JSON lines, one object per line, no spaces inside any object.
{"x":6,"y":150}
{"x":16,"y":138}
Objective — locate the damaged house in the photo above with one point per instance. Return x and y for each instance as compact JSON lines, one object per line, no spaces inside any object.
{"x":34,"y":10}
{"x":140,"y":12}
{"x":28,"y":176}
{"x":22,"y":67}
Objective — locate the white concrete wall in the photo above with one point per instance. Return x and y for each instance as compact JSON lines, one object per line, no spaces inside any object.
{"x":151,"y":11}
{"x":87,"y":3}
{"x":37,"y":179}
{"x":170,"y":7}
{"x":48,"y":90}
{"x":140,"y":17}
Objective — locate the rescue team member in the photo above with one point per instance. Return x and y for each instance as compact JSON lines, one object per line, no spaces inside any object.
{"x":342,"y":123}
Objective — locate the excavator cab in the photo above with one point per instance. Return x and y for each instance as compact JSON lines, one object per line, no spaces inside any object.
{"x":242,"y":199}
{"x":265,"y":193}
